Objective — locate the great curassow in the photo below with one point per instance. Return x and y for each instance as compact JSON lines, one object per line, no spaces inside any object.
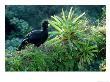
{"x":36,"y":37}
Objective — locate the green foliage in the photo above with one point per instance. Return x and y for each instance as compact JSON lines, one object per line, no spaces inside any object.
{"x":75,"y":46}
{"x":66,"y":26}
{"x":26,"y":60}
{"x":33,"y":59}
{"x":21,"y":26}
{"x":99,"y":36}
{"x":28,"y":12}
{"x":102,"y":65}
{"x":13,"y":39}
{"x":72,"y":31}
{"x":12,"y":44}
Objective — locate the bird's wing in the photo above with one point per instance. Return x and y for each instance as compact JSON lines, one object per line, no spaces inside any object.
{"x":34,"y":32}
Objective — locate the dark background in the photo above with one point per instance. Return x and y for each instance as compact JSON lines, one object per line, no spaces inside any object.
{"x":34,"y":14}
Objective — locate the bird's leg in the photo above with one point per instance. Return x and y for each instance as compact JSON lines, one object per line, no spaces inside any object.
{"x":22,"y":45}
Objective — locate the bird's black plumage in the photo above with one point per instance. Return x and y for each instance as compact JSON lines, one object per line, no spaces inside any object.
{"x":36,"y":37}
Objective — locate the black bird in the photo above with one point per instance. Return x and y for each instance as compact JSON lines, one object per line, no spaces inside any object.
{"x":36,"y":37}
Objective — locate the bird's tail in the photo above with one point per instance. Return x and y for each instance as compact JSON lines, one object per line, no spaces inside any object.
{"x":22,"y":45}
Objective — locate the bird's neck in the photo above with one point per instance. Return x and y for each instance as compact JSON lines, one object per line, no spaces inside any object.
{"x":45,"y":28}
